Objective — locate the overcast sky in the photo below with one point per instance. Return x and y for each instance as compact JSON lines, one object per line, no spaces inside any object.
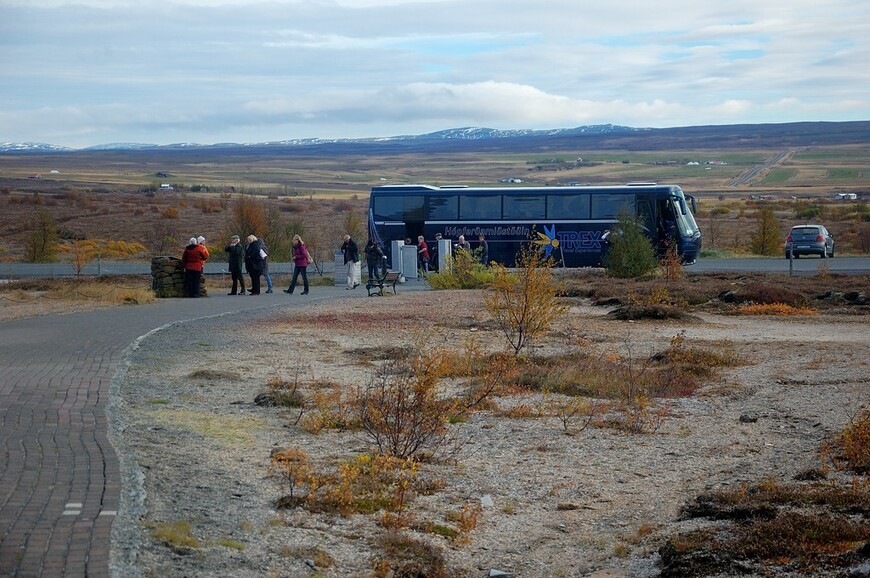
{"x":84,"y":72}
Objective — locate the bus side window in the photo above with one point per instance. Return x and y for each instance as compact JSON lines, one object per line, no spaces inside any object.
{"x":524,"y":207}
{"x":561,"y":206}
{"x":443,"y":208}
{"x":479,"y":207}
{"x":610,"y":206}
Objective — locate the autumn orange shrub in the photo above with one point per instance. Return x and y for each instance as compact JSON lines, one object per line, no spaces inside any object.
{"x":855,"y":443}
{"x":782,"y":309}
{"x":524,"y":303}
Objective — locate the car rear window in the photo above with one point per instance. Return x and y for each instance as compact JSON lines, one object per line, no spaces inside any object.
{"x":805,"y":231}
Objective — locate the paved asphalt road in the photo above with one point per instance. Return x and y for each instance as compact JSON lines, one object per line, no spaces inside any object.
{"x":803,"y":265}
{"x":59,"y":474}
{"x":29,"y":270}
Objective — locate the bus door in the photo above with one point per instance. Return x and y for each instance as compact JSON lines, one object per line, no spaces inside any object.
{"x":644,"y":211}
{"x":666,"y":222}
{"x":413,"y":229}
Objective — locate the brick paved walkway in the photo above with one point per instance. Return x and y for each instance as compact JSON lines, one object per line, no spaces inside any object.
{"x":59,"y":475}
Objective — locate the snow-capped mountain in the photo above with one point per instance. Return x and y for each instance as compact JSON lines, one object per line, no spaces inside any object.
{"x":36,"y":147}
{"x":465,"y":133}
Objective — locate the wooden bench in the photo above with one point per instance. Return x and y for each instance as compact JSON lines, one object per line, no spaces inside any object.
{"x":376,"y":286}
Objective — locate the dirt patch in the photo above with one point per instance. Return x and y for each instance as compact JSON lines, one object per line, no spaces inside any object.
{"x":550,"y":504}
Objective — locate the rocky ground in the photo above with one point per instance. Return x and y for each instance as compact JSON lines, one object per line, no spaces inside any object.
{"x":598,"y":503}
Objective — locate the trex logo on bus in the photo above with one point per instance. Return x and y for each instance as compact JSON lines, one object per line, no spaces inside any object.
{"x":568,"y":241}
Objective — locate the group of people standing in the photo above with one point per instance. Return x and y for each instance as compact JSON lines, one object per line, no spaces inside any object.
{"x":192,"y":261}
{"x":427,"y":259}
{"x":482,"y":247}
{"x":253,"y":255}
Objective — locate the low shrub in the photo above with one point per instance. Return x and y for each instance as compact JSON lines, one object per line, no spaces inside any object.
{"x":330,"y":407}
{"x":214,"y":374}
{"x":817,"y":527}
{"x":854,"y":443}
{"x":762,"y":293}
{"x":629,"y":254}
{"x":286,"y":393}
{"x":699,"y":360}
{"x":463,"y":271}
{"x":659,"y":311}
{"x":407,"y":557}
{"x":367,"y":484}
{"x":525,"y":303}
{"x":176,"y":535}
{"x":400,"y":411}
{"x":782,"y":309}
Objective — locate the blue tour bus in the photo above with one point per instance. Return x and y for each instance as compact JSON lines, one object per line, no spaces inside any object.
{"x":570,"y":223}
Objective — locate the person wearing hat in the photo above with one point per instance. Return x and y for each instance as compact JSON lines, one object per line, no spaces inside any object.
{"x":236,"y":259}
{"x":192,"y":260}
{"x":201,"y":242}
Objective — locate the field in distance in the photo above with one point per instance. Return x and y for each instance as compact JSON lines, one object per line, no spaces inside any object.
{"x":117,"y":194}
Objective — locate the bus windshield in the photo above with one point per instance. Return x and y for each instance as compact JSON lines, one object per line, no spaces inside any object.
{"x":685,"y":221}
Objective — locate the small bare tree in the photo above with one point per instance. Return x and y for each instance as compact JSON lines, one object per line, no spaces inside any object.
{"x":766,"y":239}
{"x":83,"y":253}
{"x":400,"y":411}
{"x":567,"y":409}
{"x":41,"y":242}
{"x":525,"y":303}
{"x":248,"y":217}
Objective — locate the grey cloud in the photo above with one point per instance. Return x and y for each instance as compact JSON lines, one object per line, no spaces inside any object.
{"x":211,"y":71}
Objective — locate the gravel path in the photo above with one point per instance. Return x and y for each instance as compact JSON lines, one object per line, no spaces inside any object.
{"x":598,"y":503}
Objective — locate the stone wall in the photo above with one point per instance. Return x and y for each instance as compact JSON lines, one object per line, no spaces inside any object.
{"x":167,"y":277}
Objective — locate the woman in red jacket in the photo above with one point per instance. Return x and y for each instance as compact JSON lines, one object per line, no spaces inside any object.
{"x":193,"y":259}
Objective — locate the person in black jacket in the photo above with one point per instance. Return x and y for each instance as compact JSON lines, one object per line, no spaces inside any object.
{"x":433,"y":253}
{"x":351,"y":258}
{"x":236,"y":259}
{"x":374,"y":259}
{"x":254,"y":258}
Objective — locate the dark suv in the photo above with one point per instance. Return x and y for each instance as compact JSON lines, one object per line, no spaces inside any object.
{"x":809,"y":240}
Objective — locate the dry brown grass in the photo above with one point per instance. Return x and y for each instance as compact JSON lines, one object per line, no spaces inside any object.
{"x":161,"y":222}
{"x":36,"y":297}
{"x":802,"y":527}
{"x":719,"y":292}
{"x":108,"y":198}
{"x":782,"y":309}
{"x":854,"y":444}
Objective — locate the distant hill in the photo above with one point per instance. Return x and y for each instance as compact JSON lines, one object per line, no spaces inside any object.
{"x":602,"y":137}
